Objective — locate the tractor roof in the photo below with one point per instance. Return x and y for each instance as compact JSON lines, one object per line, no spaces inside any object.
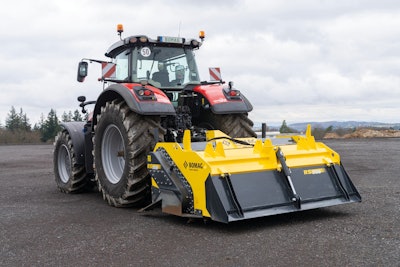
{"x":143,"y":40}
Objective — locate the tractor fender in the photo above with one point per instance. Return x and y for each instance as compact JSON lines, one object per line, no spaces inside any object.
{"x":76,"y":130}
{"x":162,"y":106}
{"x":219,"y":103}
{"x":230,"y":107}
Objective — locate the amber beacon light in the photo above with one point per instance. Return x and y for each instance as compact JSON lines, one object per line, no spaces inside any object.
{"x":120,"y":28}
{"x":202,"y":35}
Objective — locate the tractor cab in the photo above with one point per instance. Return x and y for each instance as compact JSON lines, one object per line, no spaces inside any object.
{"x":167,"y":63}
{"x":162,"y":66}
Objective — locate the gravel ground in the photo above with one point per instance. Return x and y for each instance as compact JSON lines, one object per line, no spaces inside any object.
{"x":39,"y":226}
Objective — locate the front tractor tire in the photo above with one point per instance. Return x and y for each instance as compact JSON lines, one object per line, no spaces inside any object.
{"x":122,"y":141}
{"x":70,"y":176}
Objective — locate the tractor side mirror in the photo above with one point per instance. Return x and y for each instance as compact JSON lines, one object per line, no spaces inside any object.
{"x":82,"y":71}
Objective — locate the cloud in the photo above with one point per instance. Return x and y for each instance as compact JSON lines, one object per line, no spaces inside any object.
{"x":298,"y":61}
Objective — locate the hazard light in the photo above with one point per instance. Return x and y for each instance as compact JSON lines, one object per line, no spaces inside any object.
{"x":231,"y":93}
{"x":120,"y":28}
{"x":202,"y":35}
{"x":144,"y":93}
{"x":234,"y":93}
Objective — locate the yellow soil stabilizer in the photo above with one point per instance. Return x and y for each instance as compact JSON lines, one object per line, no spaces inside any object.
{"x":229,"y":179}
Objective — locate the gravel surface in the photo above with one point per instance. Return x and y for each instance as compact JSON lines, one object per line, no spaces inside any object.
{"x":40,"y":226}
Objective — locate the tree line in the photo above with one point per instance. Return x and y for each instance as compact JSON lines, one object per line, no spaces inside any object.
{"x":317,"y":131}
{"x":18,"y":129}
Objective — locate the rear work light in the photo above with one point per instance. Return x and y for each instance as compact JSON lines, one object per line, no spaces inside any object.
{"x":135,"y":39}
{"x":143,"y":39}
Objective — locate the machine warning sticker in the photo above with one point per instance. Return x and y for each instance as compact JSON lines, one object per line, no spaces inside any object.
{"x":314,"y":171}
{"x":145,"y":51}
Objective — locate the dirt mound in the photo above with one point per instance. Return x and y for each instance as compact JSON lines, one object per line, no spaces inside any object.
{"x":365,"y":133}
{"x":332,"y":136}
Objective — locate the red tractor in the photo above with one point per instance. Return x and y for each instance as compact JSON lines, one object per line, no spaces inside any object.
{"x":158,"y":135}
{"x":152,"y":93}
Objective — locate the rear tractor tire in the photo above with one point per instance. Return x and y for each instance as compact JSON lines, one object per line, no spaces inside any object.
{"x":234,"y":125}
{"x":70,"y":176}
{"x":122,"y":141}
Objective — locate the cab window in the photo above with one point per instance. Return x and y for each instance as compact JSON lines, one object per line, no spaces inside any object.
{"x":122,"y":72}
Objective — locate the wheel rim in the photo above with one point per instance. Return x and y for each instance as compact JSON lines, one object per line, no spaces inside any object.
{"x":64,"y":163}
{"x":113,"y":154}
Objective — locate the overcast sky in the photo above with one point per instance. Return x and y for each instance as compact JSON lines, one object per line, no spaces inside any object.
{"x":305,"y":60}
